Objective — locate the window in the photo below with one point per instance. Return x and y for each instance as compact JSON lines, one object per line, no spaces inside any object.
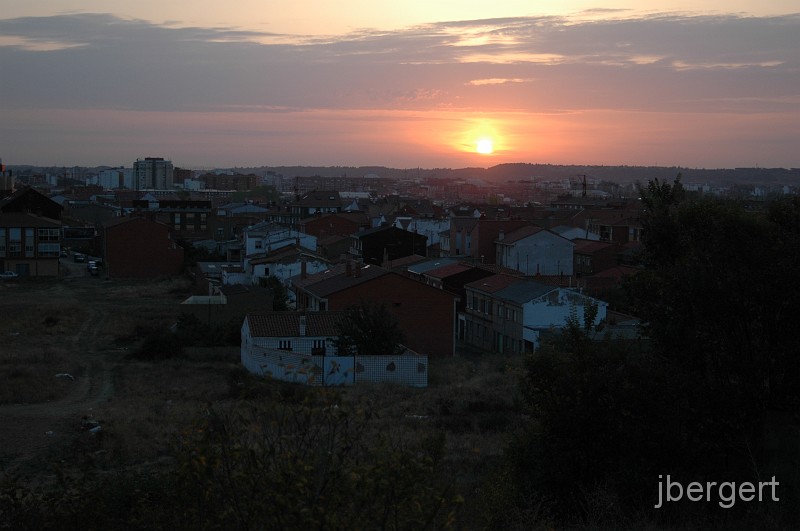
{"x":258,"y":244}
{"x":48,"y":235}
{"x":49,"y":250}
{"x":285,"y":344}
{"x":14,"y":241}
{"x":29,"y":243}
{"x":318,"y":347}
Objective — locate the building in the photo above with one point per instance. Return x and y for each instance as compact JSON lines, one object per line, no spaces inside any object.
{"x":301,"y":348}
{"x":507,"y":314}
{"x":134,"y":247}
{"x":217,"y":181}
{"x":153,"y":173}
{"x":30,"y":234}
{"x":475,"y":237}
{"x":591,"y":257}
{"x":315,"y":202}
{"x":426,"y":315}
{"x":533,"y":251}
{"x":324,"y":225}
{"x":381,"y":245}
{"x":187,"y":218}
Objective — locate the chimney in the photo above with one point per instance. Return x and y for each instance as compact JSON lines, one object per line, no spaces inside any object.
{"x":302,"y":325}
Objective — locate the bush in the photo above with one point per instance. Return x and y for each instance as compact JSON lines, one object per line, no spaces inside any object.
{"x":159,"y":346}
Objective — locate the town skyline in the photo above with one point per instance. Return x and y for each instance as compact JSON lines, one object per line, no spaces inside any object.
{"x":102,"y":83}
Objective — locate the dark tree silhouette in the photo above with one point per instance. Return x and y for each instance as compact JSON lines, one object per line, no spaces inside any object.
{"x":369,"y":329}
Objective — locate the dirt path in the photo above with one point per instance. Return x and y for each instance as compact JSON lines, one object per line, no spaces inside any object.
{"x":31,"y":432}
{"x":28,"y":431}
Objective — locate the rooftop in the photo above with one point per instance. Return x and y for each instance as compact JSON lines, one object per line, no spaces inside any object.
{"x":287,"y":324}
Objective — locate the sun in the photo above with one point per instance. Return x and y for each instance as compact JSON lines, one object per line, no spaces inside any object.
{"x":485,"y":146}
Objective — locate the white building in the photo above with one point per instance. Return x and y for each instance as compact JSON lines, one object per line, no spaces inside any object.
{"x":115,"y":178}
{"x":535,"y":251}
{"x":301,"y":348}
{"x":507,"y":314}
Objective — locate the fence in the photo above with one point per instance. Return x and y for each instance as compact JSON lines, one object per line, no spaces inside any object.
{"x":408,"y":368}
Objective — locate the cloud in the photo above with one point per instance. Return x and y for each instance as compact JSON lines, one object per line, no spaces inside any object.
{"x":529,"y":66}
{"x":495,"y":81}
{"x":106,"y":61}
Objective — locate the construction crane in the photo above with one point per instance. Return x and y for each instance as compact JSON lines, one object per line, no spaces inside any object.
{"x":582,"y":177}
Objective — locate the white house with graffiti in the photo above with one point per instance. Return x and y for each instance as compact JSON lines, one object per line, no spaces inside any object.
{"x":301,"y":348}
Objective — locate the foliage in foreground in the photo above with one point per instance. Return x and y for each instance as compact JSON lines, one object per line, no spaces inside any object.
{"x":259,"y":467}
{"x":715,"y":399}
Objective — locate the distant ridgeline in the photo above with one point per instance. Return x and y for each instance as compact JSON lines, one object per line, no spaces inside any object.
{"x":508,"y":172}
{"x":516,"y":171}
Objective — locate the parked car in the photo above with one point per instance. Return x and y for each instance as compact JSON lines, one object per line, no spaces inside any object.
{"x":91,"y":265}
{"x":8,"y":274}
{"x":79,"y":257}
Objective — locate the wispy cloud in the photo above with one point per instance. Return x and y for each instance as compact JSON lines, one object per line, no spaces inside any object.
{"x":660,"y":63}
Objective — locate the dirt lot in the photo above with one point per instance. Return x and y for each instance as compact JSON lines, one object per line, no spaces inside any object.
{"x":85,"y":326}
{"x":64,"y":342}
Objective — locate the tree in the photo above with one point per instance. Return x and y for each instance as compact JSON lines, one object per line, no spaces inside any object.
{"x":280,"y":297}
{"x":369,"y":329}
{"x":711,"y":398}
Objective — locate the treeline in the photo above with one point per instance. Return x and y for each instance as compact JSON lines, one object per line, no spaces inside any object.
{"x":714,"y":399}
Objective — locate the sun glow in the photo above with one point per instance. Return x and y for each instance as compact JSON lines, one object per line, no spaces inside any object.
{"x":484,"y":146}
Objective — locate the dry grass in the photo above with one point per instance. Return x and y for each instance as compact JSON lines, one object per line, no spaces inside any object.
{"x":144,"y":408}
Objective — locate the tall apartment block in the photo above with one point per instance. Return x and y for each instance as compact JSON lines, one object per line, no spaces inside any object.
{"x":152,"y":173}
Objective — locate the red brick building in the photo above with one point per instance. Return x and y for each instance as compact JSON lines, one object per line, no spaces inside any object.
{"x":592,"y":257}
{"x":229,"y":182}
{"x":426,"y":315}
{"x":135,"y":247}
{"x":475,"y":237}
{"x":335,"y":224}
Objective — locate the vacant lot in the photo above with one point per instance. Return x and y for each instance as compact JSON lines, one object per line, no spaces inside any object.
{"x":73,"y":400}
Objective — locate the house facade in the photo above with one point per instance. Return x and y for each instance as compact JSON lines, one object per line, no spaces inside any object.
{"x":301,"y":348}
{"x":135,"y":247}
{"x":29,"y":245}
{"x":475,"y":237}
{"x":507,"y":314}
{"x":384,"y":244}
{"x":591,"y":257}
{"x":333,"y":224}
{"x":426,"y":315}
{"x":533,"y":251}
{"x":30,"y":234}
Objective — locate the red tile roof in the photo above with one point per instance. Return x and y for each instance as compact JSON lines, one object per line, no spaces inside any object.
{"x":448,"y":270}
{"x":287,"y":324}
{"x":521,"y":233}
{"x":493,"y":283}
{"x":590,"y":246}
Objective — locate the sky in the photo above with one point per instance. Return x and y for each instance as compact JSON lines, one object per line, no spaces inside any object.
{"x":409,"y":84}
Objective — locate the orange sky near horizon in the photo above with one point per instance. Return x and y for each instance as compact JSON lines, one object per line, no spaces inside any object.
{"x":559,"y":82}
